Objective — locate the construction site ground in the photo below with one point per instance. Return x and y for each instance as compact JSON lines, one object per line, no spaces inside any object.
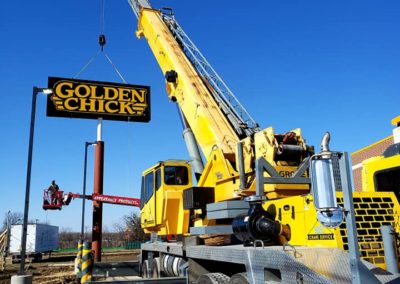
{"x":59,"y":267}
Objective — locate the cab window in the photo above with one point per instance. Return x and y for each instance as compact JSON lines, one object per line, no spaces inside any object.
{"x":177,"y":175}
{"x":142,"y":194}
{"x":158,"y":179}
{"x":388,"y":180}
{"x":149,"y":185}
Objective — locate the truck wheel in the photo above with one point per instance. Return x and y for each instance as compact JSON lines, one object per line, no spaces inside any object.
{"x":155,"y":264}
{"x":239,"y":278}
{"x":145,"y":269}
{"x":213,"y":278}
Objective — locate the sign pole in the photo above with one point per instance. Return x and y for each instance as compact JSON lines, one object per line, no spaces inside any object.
{"x":28,"y":183}
{"x":98,"y":189}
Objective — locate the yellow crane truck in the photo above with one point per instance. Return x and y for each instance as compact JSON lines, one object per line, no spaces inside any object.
{"x":240,"y":209}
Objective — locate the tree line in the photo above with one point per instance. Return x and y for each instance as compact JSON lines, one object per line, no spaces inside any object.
{"x":127,"y":231}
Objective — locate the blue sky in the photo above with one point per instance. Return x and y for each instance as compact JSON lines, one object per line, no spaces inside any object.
{"x":317,"y":65}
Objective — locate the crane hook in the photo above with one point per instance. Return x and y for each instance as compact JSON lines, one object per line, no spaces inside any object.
{"x":102,"y":41}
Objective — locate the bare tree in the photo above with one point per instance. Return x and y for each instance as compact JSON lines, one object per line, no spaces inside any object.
{"x":11,"y":218}
{"x":130,"y":228}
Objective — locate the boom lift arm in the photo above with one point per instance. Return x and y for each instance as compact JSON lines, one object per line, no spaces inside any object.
{"x":62,"y":199}
{"x":110,"y":199}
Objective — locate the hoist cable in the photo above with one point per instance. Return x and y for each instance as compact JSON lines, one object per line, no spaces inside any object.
{"x":102,"y":16}
{"x":87,"y":64}
{"x":115,"y":68}
{"x":102,"y":42}
{"x":102,"y":39}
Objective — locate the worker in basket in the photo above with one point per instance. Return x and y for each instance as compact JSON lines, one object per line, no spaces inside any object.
{"x":53,"y":192}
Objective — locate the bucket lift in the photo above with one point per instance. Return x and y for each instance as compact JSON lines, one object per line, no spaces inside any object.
{"x":52,"y":202}
{"x":60,"y":199}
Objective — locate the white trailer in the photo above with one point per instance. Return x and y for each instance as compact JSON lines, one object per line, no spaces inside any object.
{"x":41,"y":238}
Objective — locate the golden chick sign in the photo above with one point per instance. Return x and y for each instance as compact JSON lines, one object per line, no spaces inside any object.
{"x":92,"y":99}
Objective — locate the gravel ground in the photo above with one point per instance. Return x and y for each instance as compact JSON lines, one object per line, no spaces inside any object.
{"x":59,"y":269}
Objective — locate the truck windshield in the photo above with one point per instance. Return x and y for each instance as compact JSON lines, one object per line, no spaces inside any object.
{"x":177,"y":175}
{"x":388,"y":180}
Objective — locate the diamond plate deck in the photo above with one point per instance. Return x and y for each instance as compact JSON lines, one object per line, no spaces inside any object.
{"x":312,"y":265}
{"x":296,"y":264}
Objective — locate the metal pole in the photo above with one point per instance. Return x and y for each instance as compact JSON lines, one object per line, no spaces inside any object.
{"x":360,"y":273}
{"x":84,"y":192}
{"x":390,"y":248}
{"x":242,"y":174}
{"x":8,"y":233}
{"x":99,"y":129}
{"x":98,"y":188}
{"x":28,"y":182}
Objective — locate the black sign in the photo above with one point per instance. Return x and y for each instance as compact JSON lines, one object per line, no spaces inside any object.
{"x":91,"y":99}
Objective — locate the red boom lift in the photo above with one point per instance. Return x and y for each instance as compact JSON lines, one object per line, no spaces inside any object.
{"x":64,"y":199}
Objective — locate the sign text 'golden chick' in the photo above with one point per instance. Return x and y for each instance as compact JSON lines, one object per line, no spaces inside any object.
{"x":92,"y":99}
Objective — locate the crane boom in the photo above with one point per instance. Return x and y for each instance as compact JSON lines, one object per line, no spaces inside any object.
{"x":186,"y":87}
{"x":217,"y":119}
{"x":242,"y":122}
{"x":137,"y":6}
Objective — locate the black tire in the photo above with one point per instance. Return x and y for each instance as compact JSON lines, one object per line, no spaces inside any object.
{"x":155,"y":265}
{"x":213,"y":278}
{"x":239,"y":278}
{"x":145,"y":269}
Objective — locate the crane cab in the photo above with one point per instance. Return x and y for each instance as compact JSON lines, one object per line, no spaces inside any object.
{"x":162,"y":196}
{"x":382,"y":173}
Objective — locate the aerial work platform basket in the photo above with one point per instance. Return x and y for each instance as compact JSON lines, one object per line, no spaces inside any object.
{"x":52,"y":202}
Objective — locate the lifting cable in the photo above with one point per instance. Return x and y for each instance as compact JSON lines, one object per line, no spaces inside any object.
{"x":102,"y":43}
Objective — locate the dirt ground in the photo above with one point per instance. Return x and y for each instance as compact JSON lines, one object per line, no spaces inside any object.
{"x":59,"y":268}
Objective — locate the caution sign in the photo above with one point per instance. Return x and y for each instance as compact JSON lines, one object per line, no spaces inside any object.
{"x":92,"y":99}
